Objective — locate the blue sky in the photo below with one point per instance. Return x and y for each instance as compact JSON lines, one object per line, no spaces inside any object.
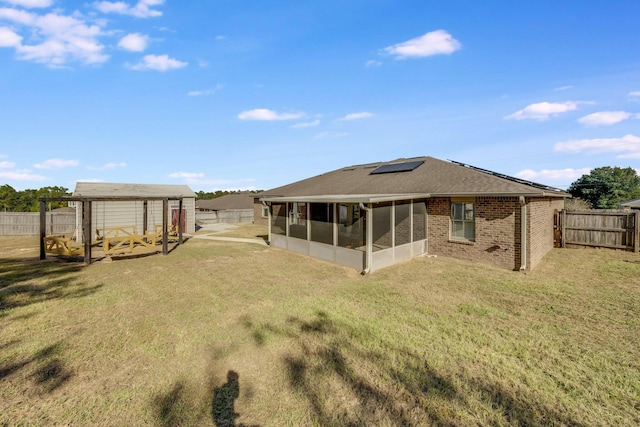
{"x":244,"y":94}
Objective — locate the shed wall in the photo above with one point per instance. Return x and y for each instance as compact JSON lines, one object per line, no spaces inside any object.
{"x":131,"y":213}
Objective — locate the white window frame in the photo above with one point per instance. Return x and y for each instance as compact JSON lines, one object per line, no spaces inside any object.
{"x":463,"y":212}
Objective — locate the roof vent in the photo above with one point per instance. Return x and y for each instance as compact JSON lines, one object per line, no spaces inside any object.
{"x":397,"y":167}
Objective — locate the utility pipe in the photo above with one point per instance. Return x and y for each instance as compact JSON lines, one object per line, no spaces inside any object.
{"x":368,"y":259}
{"x":523,"y":233}
{"x":265,"y":205}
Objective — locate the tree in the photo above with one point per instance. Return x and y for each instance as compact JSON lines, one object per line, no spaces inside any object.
{"x":7,"y":197}
{"x":605,"y":187}
{"x":27,"y":200}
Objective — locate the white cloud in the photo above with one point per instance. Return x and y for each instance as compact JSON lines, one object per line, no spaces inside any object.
{"x":158,"y":63}
{"x":634,"y":96}
{"x":628,"y":145}
{"x":90,"y":180}
{"x":186,"y":175}
{"x":432,"y":43}
{"x":53,"y":39}
{"x":604,"y":118}
{"x":544,"y":110}
{"x":357,"y":116}
{"x":561,"y":88}
{"x":372,"y":63}
{"x":553,"y":175}
{"x":264,"y":114}
{"x":56,"y":164}
{"x":21,"y":176}
{"x":142,"y":9}
{"x":108,"y":166}
{"x":8,"y":38}
{"x":316,"y":122}
{"x":30,"y":3}
{"x":134,"y":42}
{"x":18,"y":16}
{"x":7,"y":165}
{"x":330,"y":135}
{"x":205,"y":92}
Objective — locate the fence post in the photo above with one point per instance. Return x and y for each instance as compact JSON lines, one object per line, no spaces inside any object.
{"x":636,"y":232}
{"x":43,"y":228}
{"x":563,"y":225}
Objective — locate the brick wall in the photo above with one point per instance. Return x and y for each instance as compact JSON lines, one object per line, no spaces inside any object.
{"x":540,"y":226}
{"x":497,"y":239}
{"x":257,"y":213}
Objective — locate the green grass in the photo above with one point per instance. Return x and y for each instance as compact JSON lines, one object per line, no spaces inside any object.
{"x":221,"y":333}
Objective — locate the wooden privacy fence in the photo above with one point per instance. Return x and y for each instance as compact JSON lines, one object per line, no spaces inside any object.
{"x":229,"y":216}
{"x":604,"y":229}
{"x":28,"y":223}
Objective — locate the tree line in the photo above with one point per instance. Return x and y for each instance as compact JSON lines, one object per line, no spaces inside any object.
{"x":12,"y":200}
{"x":603,"y":188}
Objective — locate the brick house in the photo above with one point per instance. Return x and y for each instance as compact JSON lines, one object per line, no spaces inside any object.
{"x":374,"y":215}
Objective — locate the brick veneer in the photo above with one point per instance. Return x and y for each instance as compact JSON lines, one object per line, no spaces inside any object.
{"x":497,"y":239}
{"x":257,"y":213}
{"x":540,"y":227}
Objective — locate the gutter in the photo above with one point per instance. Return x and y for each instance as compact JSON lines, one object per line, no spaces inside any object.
{"x":523,"y":234}
{"x":368,"y":259}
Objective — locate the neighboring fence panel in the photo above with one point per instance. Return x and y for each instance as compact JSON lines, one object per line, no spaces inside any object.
{"x":231,"y":216}
{"x":28,"y":223}
{"x":604,"y":229}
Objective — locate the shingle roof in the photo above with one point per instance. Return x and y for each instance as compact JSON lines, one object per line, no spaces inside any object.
{"x":243,"y":200}
{"x":432,"y":178}
{"x":631,"y":203}
{"x":107,"y":189}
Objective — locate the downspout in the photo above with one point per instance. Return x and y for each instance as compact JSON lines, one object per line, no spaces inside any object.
{"x":523,"y":234}
{"x":265,"y":205}
{"x":368,"y":259}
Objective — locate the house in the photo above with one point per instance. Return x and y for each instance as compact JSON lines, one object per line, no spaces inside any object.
{"x":230,"y":208}
{"x":630,"y":205}
{"x":374,"y":215}
{"x":110,"y":214}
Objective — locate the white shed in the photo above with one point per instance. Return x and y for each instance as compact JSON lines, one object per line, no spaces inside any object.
{"x":112,"y":214}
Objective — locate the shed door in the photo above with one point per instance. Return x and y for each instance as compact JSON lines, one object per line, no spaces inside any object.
{"x":174,"y":220}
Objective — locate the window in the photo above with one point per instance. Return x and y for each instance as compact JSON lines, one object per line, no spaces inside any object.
{"x":279,"y":219}
{"x":463,"y":226}
{"x":351,"y":227}
{"x":403,"y":223}
{"x":321,"y":216}
{"x":265,"y":211}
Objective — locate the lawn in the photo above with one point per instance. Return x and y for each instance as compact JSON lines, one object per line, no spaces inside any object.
{"x":229,"y":334}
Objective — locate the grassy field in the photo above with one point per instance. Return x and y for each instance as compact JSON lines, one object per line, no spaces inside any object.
{"x":231,"y":334}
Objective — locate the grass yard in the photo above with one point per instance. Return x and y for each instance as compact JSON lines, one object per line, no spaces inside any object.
{"x":230,"y":334}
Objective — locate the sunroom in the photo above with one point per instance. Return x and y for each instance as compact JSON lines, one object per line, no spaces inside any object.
{"x":365,"y":232}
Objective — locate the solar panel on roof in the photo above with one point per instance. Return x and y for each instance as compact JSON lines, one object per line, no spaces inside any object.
{"x":397,"y":167}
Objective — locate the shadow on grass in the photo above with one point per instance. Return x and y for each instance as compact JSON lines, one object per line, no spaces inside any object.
{"x":50,"y":371}
{"x":28,"y":281}
{"x":178,"y":408}
{"x":348,"y":384}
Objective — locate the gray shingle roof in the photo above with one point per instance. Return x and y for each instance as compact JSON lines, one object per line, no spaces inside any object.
{"x":432,"y":178}
{"x":108,"y":189}
{"x":243,"y":200}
